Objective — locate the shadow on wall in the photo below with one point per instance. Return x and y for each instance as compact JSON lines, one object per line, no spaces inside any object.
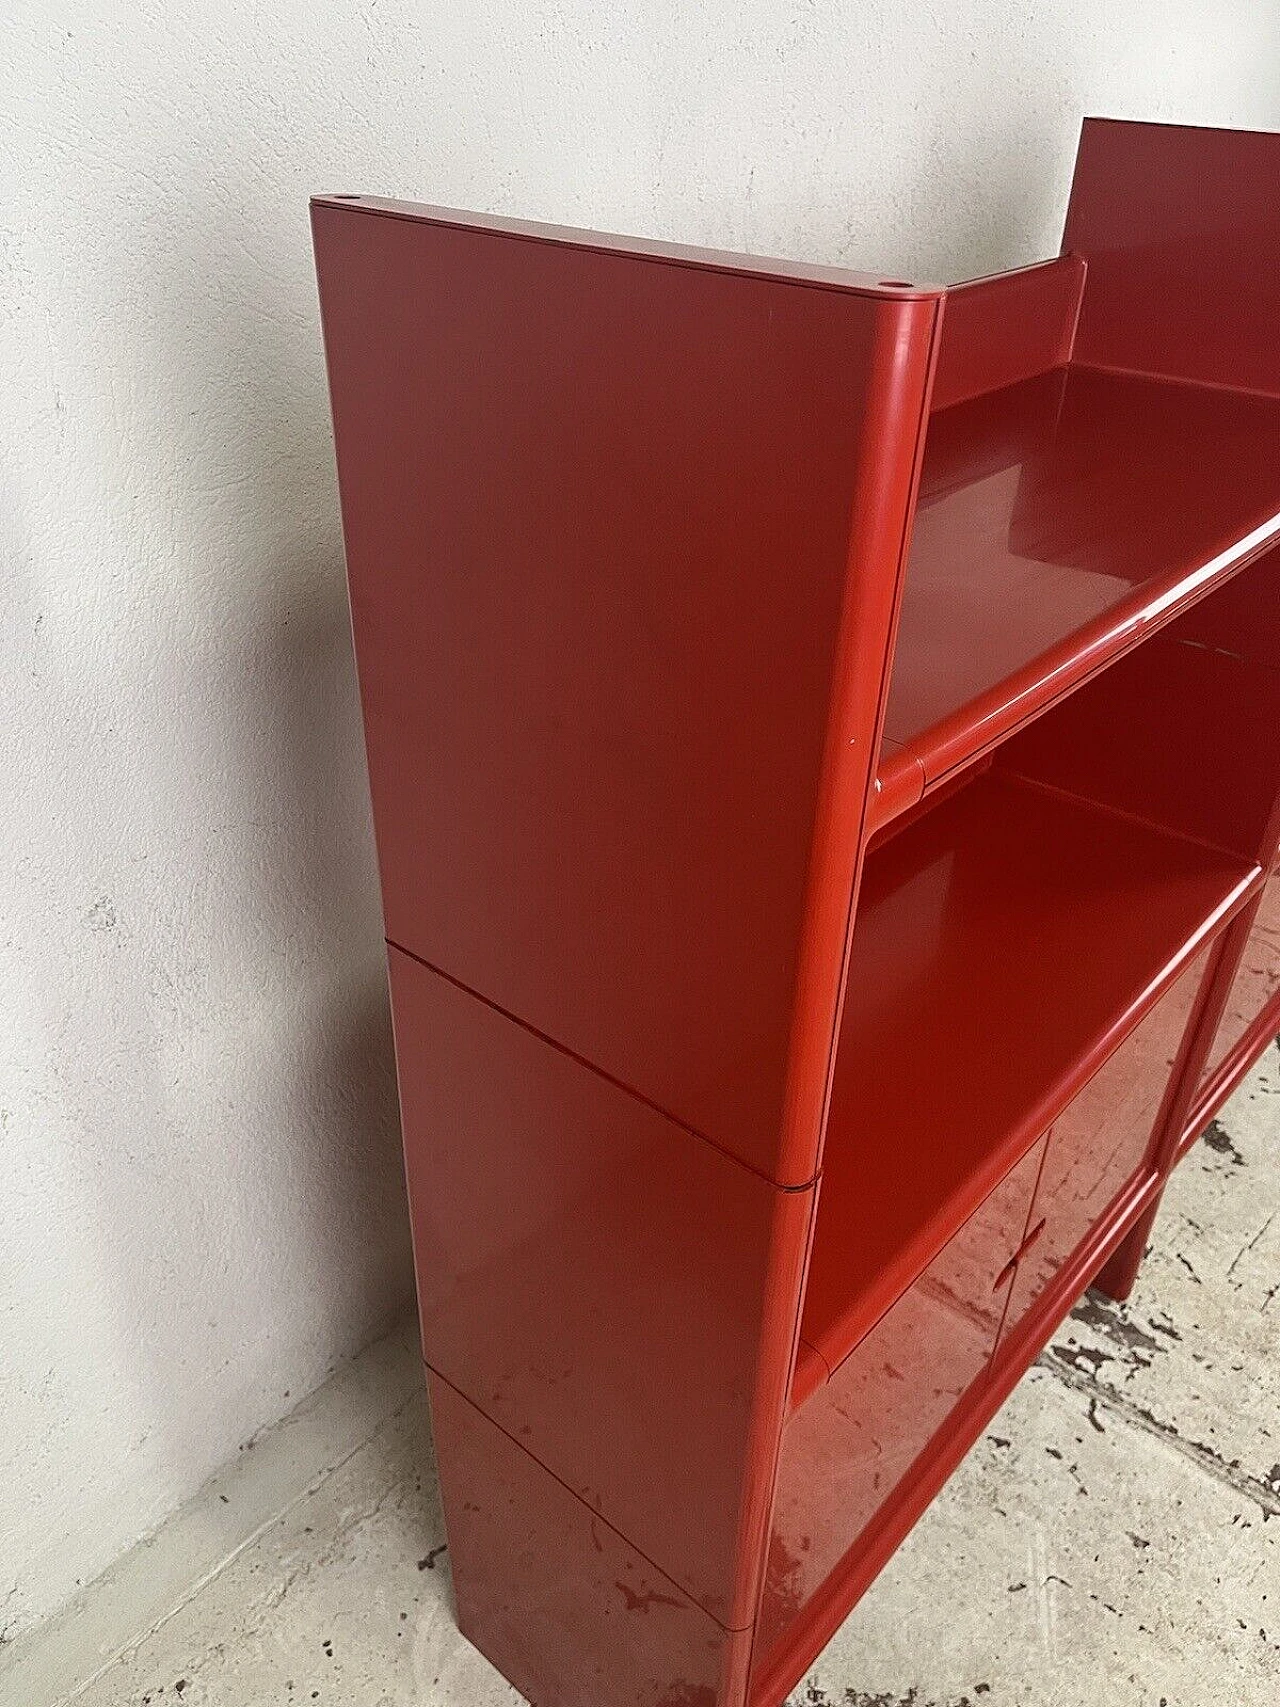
{"x":221,"y":1040}
{"x":324,"y":1137}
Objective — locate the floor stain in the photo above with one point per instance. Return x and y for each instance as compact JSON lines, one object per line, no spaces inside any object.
{"x":1221,"y":1143}
{"x":1266,"y":1496}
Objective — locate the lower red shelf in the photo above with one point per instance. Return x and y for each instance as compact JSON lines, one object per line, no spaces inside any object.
{"x":1006,"y":943}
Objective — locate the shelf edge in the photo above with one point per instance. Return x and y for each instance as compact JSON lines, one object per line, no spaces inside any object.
{"x":1001,"y":711}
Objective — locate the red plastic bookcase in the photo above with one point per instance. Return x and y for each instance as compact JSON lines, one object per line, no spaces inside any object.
{"x":822,"y":738}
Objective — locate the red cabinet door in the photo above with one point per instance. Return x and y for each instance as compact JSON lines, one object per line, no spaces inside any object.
{"x":852,"y":1442}
{"x":1100,"y":1142}
{"x":1256,"y":984}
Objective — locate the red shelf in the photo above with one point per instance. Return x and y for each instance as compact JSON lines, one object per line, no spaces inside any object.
{"x":1059,"y":521}
{"x":1005,"y":943}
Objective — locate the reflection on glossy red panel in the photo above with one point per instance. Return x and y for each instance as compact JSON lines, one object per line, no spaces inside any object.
{"x":850,"y":1445}
{"x":554,"y":1597}
{"x":598,"y":517}
{"x":1253,"y":1004}
{"x":1003,"y":942}
{"x":597,"y":1281}
{"x":1055,"y":517}
{"x":1009,"y":327}
{"x":1101,"y":1141}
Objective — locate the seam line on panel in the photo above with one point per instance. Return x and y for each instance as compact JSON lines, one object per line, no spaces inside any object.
{"x":600,"y":1072}
{"x":598,"y":1516}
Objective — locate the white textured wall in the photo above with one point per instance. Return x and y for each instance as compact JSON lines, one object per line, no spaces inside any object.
{"x":200,"y":1205}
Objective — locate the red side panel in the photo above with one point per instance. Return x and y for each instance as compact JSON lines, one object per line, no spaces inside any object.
{"x":845,"y":1452}
{"x":1006,"y":328}
{"x":610,"y":518}
{"x":1101,"y":1140}
{"x":1181,"y":230}
{"x":555,"y":1598}
{"x":617,"y":1295}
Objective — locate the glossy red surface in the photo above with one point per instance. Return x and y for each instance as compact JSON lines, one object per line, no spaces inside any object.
{"x":1242,"y":617}
{"x":1242,"y":625}
{"x":1102,"y":1141}
{"x":775,"y":1673}
{"x":1251,"y":1016}
{"x":1181,"y":230}
{"x":1178,"y":734}
{"x":1058,"y":521}
{"x":1003,"y":943}
{"x":1010,"y":327}
{"x":556,"y":1598}
{"x":549,"y":1209}
{"x":775,"y":268}
{"x":627,"y":530}
{"x":850,"y":1445}
{"x":623,"y":537}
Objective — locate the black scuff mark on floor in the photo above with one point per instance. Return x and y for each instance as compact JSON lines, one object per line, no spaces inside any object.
{"x":815,"y":1696}
{"x":1166,"y":1328}
{"x":1249,"y":1245}
{"x":1131,"y":1341}
{"x":1081,"y":1357}
{"x":1230,"y":1473}
{"x":1221,"y":1143}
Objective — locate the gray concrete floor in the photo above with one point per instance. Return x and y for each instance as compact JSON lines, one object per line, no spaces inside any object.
{"x":1107,"y":1541}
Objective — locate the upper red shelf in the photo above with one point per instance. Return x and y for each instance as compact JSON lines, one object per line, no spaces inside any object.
{"x":1059,"y":520}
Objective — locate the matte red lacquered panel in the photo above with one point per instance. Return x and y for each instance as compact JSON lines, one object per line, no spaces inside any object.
{"x":1059,"y":521}
{"x":1181,"y":230}
{"x":1009,"y":327}
{"x":1102,"y":1140}
{"x":1005,"y":941}
{"x":555,"y":1598}
{"x":1254,"y":996}
{"x":623,"y":538}
{"x":616,"y":1294}
{"x":849,"y":1446}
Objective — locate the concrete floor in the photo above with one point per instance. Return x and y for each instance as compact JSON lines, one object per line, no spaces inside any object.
{"x":1107,"y":1542}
